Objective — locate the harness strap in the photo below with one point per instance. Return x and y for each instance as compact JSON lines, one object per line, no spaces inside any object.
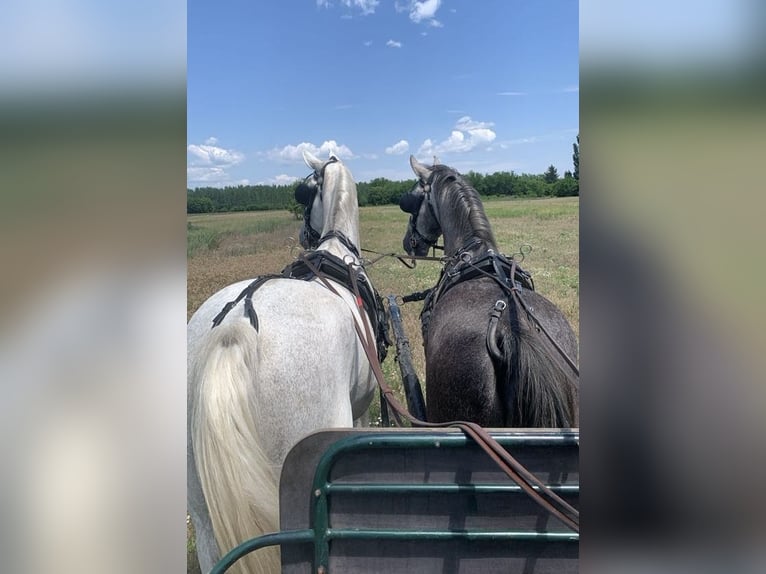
{"x":550,"y":338}
{"x":343,"y":238}
{"x":327,"y":267}
{"x":246,"y":293}
{"x":473,"y":270}
{"x":514,"y":292}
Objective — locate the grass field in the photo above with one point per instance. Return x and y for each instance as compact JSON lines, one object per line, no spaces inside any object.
{"x":224,"y":248}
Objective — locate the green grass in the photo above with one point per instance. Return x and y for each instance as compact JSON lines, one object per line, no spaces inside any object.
{"x":209,"y":232}
{"x":541,"y":209}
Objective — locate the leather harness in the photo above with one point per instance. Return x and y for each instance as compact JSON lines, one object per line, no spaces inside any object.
{"x":323,"y":265}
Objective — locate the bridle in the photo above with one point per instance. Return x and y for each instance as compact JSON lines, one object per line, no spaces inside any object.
{"x":416,"y":237}
{"x":305,"y":194}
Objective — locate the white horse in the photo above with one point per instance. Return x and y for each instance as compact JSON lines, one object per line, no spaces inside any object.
{"x":255,"y":392}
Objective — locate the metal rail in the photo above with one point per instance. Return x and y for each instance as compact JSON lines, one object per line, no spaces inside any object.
{"x":323,"y":488}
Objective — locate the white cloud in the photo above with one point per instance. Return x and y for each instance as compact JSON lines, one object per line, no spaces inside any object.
{"x":465,"y":124}
{"x":294,"y":153}
{"x":398,"y":148}
{"x":284,"y":179}
{"x":572,"y":89}
{"x":205,"y":174}
{"x":511,"y":93}
{"x":210,"y":155}
{"x":426,"y":10}
{"x":435,"y":24}
{"x":211,"y":177}
{"x":393,"y":44}
{"x":366,"y":6}
{"x":368,"y":43}
{"x":467,"y":135}
{"x":207,"y":164}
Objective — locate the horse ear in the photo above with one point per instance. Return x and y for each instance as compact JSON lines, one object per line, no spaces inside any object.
{"x":410,"y":203}
{"x":312,"y":161}
{"x":422,"y":171}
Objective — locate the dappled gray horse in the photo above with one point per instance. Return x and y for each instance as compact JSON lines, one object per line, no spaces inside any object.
{"x":282,"y":360}
{"x":488,"y":358}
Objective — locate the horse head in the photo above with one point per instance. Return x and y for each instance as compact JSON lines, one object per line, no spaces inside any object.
{"x":308,"y":194}
{"x":423,"y":229}
{"x":330,"y":199}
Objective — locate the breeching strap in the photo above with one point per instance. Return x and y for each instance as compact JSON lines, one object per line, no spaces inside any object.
{"x":515,"y":293}
{"x":546,"y":498}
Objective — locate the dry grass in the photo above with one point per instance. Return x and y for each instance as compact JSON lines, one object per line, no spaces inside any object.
{"x":224,"y":248}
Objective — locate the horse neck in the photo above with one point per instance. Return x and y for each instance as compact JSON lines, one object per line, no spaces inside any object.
{"x":463,"y":220}
{"x":341,"y":211}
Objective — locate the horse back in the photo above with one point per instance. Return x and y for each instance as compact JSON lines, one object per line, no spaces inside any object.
{"x":460,"y":374}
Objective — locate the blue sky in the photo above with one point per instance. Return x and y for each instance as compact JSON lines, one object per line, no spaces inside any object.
{"x":484,"y":85}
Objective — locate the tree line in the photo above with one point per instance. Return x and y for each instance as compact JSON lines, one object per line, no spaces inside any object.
{"x":239,"y":198}
{"x":379,"y":191}
{"x":382,"y":191}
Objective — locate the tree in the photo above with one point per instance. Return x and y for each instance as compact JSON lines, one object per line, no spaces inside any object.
{"x":566,"y":187}
{"x":551,"y":175}
{"x":576,"y":158}
{"x":197,"y":204}
{"x":295,"y":208}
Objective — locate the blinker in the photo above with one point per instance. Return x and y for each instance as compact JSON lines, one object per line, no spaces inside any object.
{"x":410,"y":203}
{"x":304,"y":194}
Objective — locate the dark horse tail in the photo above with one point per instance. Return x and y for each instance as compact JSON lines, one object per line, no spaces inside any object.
{"x":537,"y":386}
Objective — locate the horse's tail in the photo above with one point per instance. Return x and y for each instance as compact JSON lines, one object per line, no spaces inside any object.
{"x":540,"y":388}
{"x":237,"y":479}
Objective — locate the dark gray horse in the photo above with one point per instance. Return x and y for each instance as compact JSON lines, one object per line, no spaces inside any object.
{"x":488,"y":357}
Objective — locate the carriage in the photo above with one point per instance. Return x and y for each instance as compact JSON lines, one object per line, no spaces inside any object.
{"x":421,"y":500}
{"x":382,"y":500}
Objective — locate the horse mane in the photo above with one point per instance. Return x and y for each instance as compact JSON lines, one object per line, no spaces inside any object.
{"x":341,"y":212}
{"x":459,"y":196}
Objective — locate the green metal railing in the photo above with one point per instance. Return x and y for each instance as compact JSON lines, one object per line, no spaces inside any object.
{"x":321,"y":534}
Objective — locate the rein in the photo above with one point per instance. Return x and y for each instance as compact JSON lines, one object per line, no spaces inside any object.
{"x":402,"y":258}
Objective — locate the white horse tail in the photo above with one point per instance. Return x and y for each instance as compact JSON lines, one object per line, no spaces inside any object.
{"x":236,"y":476}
